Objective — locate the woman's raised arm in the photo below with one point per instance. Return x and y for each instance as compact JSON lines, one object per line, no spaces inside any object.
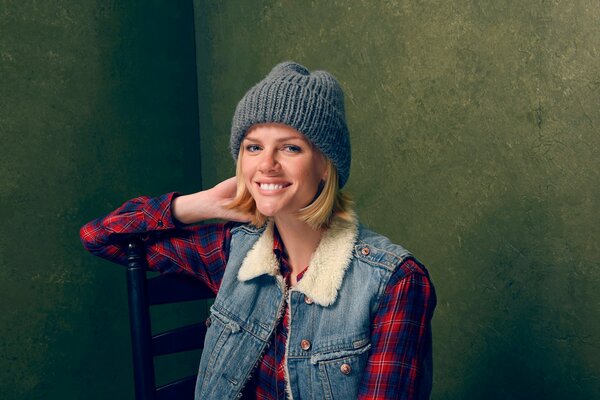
{"x":171,"y":245}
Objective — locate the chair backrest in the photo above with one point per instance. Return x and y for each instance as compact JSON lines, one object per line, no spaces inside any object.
{"x":143,"y":293}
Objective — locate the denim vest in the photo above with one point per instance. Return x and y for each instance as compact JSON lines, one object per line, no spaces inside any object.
{"x":331,"y":312}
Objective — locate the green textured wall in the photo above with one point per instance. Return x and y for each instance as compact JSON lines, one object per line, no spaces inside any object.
{"x":98,"y":104}
{"x":475,"y":144}
{"x":479,"y":119}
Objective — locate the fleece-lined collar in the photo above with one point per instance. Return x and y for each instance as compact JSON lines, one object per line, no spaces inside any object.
{"x":323,"y":278}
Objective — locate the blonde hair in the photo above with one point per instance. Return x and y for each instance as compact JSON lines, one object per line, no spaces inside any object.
{"x":330,"y":202}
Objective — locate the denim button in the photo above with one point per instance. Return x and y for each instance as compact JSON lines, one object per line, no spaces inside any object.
{"x":308,"y":300}
{"x":208,"y":322}
{"x":346,"y":369}
{"x":365,"y":251}
{"x":305,"y":344}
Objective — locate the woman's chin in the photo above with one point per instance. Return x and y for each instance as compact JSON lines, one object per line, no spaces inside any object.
{"x":268,"y":211}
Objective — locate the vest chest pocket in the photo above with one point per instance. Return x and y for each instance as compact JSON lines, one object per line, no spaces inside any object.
{"x":340,"y":372}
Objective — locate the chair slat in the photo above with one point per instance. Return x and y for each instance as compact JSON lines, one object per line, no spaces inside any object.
{"x":186,"y":338}
{"x":144,"y":292}
{"x":165,"y":289}
{"x":177,"y":390}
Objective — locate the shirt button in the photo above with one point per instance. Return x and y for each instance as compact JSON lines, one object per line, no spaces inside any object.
{"x":160,"y":223}
{"x":308,"y":300}
{"x":305,"y":344}
{"x":365,"y":251}
{"x":346,"y":369}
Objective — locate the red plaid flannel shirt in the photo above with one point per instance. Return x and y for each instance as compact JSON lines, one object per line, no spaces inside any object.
{"x":397,"y":367}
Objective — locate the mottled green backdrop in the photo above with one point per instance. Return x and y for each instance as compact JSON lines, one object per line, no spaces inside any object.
{"x":475,"y":139}
{"x":98,"y":104}
{"x":474,"y":127}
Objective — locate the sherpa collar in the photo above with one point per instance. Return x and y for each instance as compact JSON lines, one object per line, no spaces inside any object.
{"x":323,"y":278}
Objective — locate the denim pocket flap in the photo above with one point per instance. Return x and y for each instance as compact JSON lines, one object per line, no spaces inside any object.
{"x":341,"y":353}
{"x":224,"y":320}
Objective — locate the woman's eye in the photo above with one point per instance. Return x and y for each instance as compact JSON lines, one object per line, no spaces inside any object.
{"x":291,"y":148}
{"x":252,"y":148}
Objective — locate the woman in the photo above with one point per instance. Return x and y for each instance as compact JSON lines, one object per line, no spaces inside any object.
{"x":309,"y":303}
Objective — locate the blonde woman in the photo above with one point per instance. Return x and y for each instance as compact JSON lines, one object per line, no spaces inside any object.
{"x":309,"y":303}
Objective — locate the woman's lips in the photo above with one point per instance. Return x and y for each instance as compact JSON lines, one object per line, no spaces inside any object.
{"x":272,"y":187}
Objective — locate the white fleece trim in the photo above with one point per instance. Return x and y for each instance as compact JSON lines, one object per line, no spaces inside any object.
{"x":260,"y":259}
{"x":327,"y":267}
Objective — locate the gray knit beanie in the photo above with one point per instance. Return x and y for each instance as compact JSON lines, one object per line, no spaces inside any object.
{"x":312,"y":103}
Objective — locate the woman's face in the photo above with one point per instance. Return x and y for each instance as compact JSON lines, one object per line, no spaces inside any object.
{"x":280,"y":168}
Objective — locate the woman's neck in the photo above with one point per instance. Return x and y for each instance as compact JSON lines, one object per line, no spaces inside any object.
{"x":300,"y":242}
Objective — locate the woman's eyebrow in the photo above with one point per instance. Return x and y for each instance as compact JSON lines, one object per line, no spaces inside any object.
{"x":288,"y":138}
{"x":284,"y":139}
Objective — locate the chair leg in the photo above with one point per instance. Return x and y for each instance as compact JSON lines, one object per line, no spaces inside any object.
{"x":139,"y":322}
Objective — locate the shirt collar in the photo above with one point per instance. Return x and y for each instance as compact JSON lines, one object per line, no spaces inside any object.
{"x":280,"y":253}
{"x":278,"y":248}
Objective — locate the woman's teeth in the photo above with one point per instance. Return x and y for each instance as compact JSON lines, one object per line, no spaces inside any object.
{"x":270,"y":186}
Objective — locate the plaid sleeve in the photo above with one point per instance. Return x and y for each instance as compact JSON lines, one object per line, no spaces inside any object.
{"x":171,"y":247}
{"x":399,"y":365}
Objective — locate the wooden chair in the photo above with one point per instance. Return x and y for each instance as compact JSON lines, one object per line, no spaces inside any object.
{"x":143,"y":293}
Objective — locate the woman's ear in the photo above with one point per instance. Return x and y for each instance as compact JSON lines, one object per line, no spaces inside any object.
{"x":326,"y":168}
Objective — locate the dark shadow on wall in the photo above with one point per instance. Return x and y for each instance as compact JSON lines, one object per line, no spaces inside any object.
{"x":99,"y":105}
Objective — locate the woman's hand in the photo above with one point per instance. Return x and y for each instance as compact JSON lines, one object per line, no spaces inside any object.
{"x":221,"y":195}
{"x":208,"y":204}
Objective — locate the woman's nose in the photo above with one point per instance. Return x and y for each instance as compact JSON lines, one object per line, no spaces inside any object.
{"x":268,"y":163}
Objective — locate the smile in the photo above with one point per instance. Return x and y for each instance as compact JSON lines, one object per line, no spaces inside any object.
{"x":271,"y":187}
